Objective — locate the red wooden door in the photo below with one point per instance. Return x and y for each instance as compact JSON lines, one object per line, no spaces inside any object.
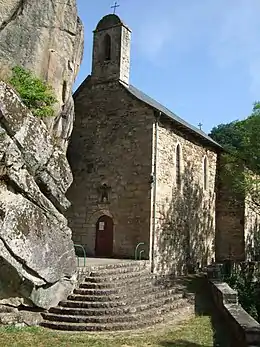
{"x":104,"y":237}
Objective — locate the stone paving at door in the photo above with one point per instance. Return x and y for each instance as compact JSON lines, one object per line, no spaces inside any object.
{"x":101,"y":261}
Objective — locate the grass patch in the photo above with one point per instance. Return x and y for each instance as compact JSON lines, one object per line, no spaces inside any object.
{"x":197,"y":332}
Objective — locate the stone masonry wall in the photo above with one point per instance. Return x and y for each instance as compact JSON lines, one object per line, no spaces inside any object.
{"x":252,"y":228}
{"x":118,"y":68}
{"x":185,"y":217}
{"x":230,"y":220}
{"x":112,"y":144}
{"x":244,"y":329}
{"x":238,"y":221}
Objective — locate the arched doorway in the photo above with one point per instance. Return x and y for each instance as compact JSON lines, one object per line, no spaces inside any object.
{"x":104,"y":237}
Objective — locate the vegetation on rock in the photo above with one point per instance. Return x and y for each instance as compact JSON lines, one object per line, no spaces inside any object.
{"x":36,"y":94}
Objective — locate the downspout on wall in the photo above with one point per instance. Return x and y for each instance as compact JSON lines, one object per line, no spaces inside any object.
{"x":154,"y":182}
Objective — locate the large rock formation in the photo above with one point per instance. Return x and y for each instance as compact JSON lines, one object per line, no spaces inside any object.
{"x":37,"y":258}
{"x":46,"y":37}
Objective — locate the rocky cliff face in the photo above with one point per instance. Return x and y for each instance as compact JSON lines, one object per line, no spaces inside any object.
{"x":46,"y":37}
{"x":37,"y":258}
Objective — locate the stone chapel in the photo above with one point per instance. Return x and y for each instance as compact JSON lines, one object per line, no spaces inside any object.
{"x":141,"y":173}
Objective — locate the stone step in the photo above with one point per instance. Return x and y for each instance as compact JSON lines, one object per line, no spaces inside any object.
{"x":91,"y":304}
{"x":120,"y":289}
{"x":130,"y":317}
{"x":89,"y":301}
{"x":120,"y":270}
{"x":117,"y":277}
{"x":78,"y":309}
{"x":149,"y":292}
{"x":112,"y":269}
{"x":154,"y":295}
{"x":156,"y":318}
{"x":112,"y":266}
{"x":127,"y":282}
{"x":110,"y":304}
{"x":95,"y":298}
{"x":95,"y":292}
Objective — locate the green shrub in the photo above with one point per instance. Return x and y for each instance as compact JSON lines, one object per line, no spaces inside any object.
{"x":37,"y":95}
{"x":245,"y":279}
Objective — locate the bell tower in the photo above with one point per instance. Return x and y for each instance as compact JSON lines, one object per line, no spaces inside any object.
{"x":111,"y":50}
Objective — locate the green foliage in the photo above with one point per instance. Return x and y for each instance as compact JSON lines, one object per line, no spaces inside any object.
{"x":228,"y":135}
{"x":242,"y":160}
{"x":245,"y":279}
{"x":241,"y":138}
{"x":35,"y":94}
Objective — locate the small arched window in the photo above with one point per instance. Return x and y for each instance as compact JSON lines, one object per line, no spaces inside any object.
{"x":107,"y":47}
{"x":178,"y":166}
{"x":205,"y":173}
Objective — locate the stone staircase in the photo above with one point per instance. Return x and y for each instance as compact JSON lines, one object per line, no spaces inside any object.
{"x":119,"y":296}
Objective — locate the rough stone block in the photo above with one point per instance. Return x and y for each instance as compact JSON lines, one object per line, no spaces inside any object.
{"x":37,"y":257}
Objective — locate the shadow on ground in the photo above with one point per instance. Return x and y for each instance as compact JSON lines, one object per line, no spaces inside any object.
{"x":203,"y":306}
{"x":181,"y":343}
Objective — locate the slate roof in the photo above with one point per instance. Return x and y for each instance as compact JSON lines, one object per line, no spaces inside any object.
{"x":159,"y":107}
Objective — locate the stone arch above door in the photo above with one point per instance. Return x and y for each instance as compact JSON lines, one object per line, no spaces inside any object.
{"x":96,"y":215}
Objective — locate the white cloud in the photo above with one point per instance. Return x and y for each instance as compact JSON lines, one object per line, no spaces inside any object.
{"x":237,"y":40}
{"x":153,"y":37}
{"x":228,"y":31}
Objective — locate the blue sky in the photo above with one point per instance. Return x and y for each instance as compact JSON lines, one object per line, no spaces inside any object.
{"x":200,"y":58}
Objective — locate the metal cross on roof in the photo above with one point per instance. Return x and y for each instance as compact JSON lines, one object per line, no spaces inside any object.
{"x":115,"y":6}
{"x":200,"y":125}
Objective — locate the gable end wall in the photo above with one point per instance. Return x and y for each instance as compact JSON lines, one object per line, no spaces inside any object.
{"x":111,"y":143}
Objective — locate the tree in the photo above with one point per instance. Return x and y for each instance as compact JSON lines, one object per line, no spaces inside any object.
{"x":228,"y":135}
{"x":241,"y":173}
{"x":241,"y":140}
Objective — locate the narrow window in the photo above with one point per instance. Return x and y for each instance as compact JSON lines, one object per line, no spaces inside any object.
{"x":107,"y":47}
{"x":64,"y":91}
{"x":205,"y":173}
{"x":178,"y":166}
